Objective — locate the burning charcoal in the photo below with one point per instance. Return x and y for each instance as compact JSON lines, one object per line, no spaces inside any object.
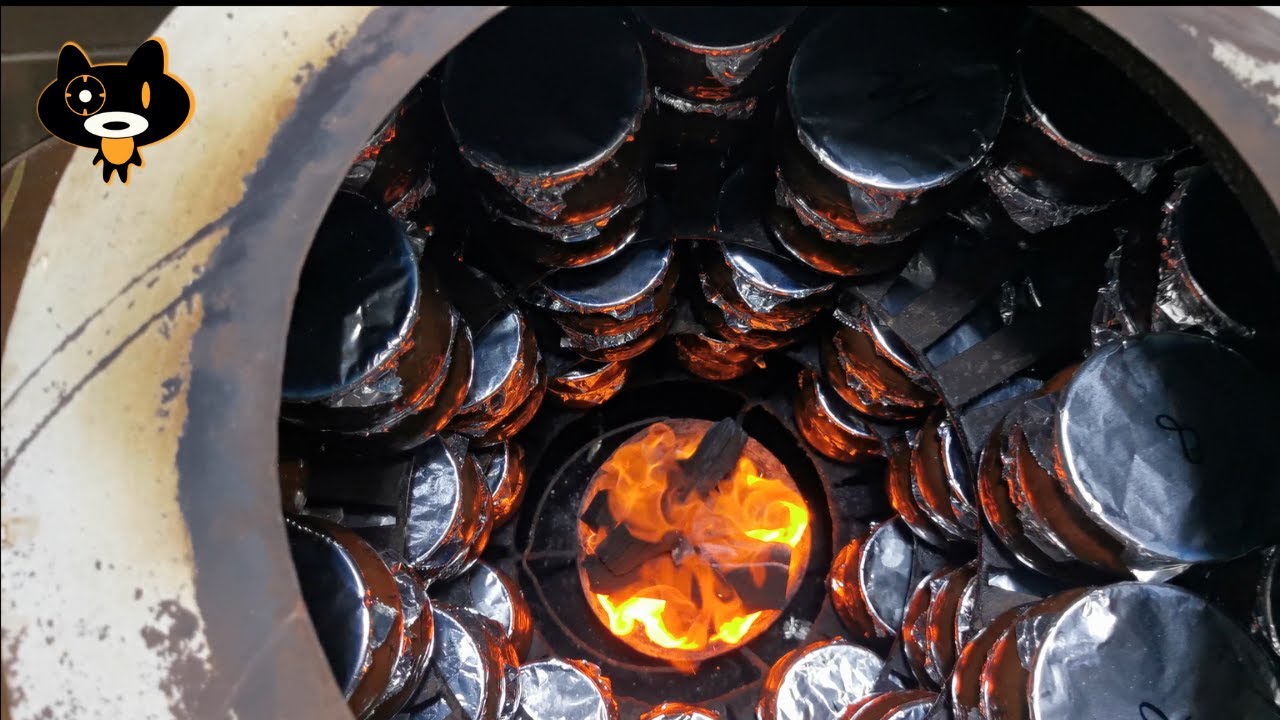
{"x":818,"y":681}
{"x":941,"y":480}
{"x":505,"y":366}
{"x":709,"y":67}
{"x":898,"y":482}
{"x":393,"y":169}
{"x":679,"y":711}
{"x":875,"y":581}
{"x":571,"y":246}
{"x":915,"y":626}
{"x":712,"y":358}
{"x":489,"y":592}
{"x":1005,"y":672}
{"x":448,"y":521}
{"x":940,"y":623}
{"x":622,"y":296}
{"x":1215,"y":275}
{"x":881,"y":135}
{"x":1137,"y":421}
{"x":1156,"y":638}
{"x":558,"y":689}
{"x":578,"y":383}
{"x":552,"y":136}
{"x":830,"y":426}
{"x":712,"y":462}
{"x":868,"y":365}
{"x":770,"y":292}
{"x":504,"y":474}
{"x":965,"y":686}
{"x":354,"y":602}
{"x":418,"y":645}
{"x":722,"y":587}
{"x":474,"y":673}
{"x":1081,"y":136}
{"x":898,"y":705}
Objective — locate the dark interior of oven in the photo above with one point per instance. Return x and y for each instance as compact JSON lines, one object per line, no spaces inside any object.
{"x":906,"y":250}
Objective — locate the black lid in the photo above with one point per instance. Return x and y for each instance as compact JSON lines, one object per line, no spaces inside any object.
{"x":896,"y":98}
{"x":545,"y":91}
{"x":1166,"y":441}
{"x":717,"y":27}
{"x":356,"y":301}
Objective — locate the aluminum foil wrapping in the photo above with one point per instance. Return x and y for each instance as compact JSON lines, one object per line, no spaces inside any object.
{"x":448,"y":512}
{"x":1214,"y":275}
{"x":818,"y":681}
{"x":810,"y":218}
{"x":915,"y":629}
{"x":505,"y":363}
{"x":1143,"y":442}
{"x":870,"y":368}
{"x":730,"y":110}
{"x":623,"y":288}
{"x":579,"y":383}
{"x":712,"y":358}
{"x":393,"y":169}
{"x":615,"y":220}
{"x":353,"y":310}
{"x":940,"y":623}
{"x":941,"y":483}
{"x":623,"y":346}
{"x":509,"y":426}
{"x":965,"y":685}
{"x":787,"y":293}
{"x":830,"y":426}
{"x":558,"y":689}
{"x":475,"y":673}
{"x":602,"y":92}
{"x":898,"y":705}
{"x":1003,"y":682}
{"x":489,"y":592}
{"x":1126,"y":297}
{"x":504,"y":473}
{"x":418,"y":643}
{"x":679,"y":711}
{"x":1031,"y":212}
{"x":808,"y":245}
{"x":898,"y":481}
{"x":1129,"y":649}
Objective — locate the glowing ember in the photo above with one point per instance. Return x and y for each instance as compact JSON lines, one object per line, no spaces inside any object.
{"x":681,"y":574}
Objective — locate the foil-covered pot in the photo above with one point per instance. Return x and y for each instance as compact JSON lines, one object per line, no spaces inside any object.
{"x":870,"y":367}
{"x":1006,"y":669}
{"x":522,"y":415}
{"x":489,"y":592}
{"x":897,"y":705}
{"x":504,"y":473}
{"x":354,"y":603}
{"x":546,"y":105}
{"x":731,"y":321}
{"x":571,"y":246}
{"x":870,"y":581}
{"x":393,"y":168}
{"x":942,"y":483}
{"x":898,"y":484}
{"x":418,"y":642}
{"x":579,"y":383}
{"x":1214,"y":275}
{"x":830,"y":425}
{"x":505,"y":360}
{"x":965,"y":685}
{"x":842,"y":159}
{"x":412,"y":430}
{"x":915,"y":627}
{"x":475,"y":673}
{"x":818,"y":681}
{"x":1141,"y":442}
{"x":769,"y":291}
{"x":712,"y":358}
{"x":829,"y":251}
{"x":679,"y":711}
{"x":940,"y":623}
{"x":1130,"y":648}
{"x":1081,"y":135}
{"x":557,"y":689}
{"x":448,"y":518}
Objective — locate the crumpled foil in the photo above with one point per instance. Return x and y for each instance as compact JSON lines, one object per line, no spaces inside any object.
{"x":624,"y":287}
{"x":1116,"y":313}
{"x":448,"y":511}
{"x":474,"y":674}
{"x":504,"y":473}
{"x":679,"y":711}
{"x":419,"y":639}
{"x":818,"y":681}
{"x":727,"y":110}
{"x":830,"y":426}
{"x":787,"y":198}
{"x":584,"y":383}
{"x":558,"y":689}
{"x":1032,"y":212}
{"x":1150,"y":651}
{"x":489,"y":592}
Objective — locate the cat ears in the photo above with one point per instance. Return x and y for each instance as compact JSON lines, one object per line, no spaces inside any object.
{"x":148,"y":59}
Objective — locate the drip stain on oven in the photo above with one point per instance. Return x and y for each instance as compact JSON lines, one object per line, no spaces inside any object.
{"x":786,"y":364}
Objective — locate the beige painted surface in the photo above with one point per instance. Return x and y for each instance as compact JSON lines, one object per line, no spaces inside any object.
{"x":105,"y":320}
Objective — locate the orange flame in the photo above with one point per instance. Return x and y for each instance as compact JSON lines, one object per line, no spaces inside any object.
{"x":682,"y":605}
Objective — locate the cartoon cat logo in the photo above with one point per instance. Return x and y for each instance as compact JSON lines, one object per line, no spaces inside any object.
{"x":115,"y":107}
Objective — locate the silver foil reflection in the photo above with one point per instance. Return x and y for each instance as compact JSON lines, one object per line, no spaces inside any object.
{"x":818,"y":682}
{"x":489,"y":592}
{"x":679,"y":711}
{"x":448,"y":511}
{"x":1149,"y":651}
{"x":558,"y":689}
{"x":473,"y":675}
